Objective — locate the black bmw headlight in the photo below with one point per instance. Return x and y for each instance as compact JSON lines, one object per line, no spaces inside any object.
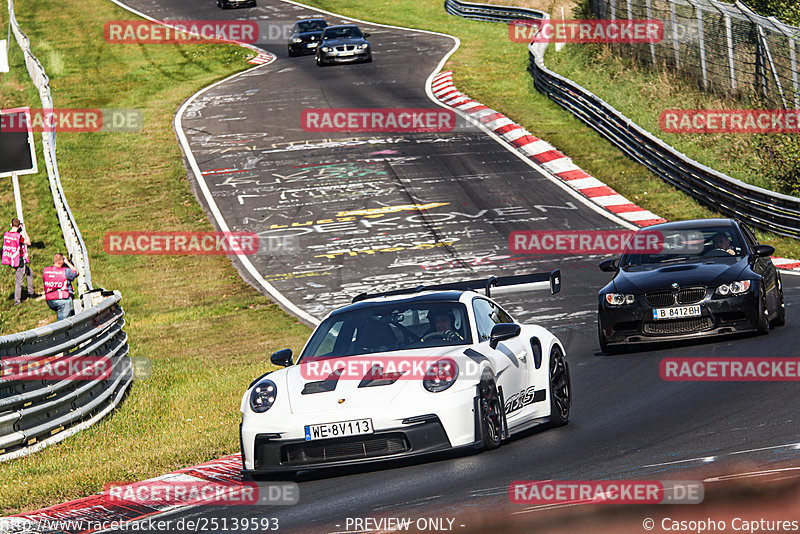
{"x":734,"y":288}
{"x":619,"y":299}
{"x":263,"y":396}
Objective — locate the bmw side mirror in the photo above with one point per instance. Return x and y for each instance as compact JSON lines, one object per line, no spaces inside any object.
{"x":366,"y":35}
{"x":282,"y":357}
{"x":762,"y":251}
{"x":609,"y":266}
{"x":501,"y":332}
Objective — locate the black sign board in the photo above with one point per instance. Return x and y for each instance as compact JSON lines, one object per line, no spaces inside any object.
{"x":17,"y":152}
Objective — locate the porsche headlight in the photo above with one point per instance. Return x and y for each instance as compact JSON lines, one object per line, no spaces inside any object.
{"x":297,"y":40}
{"x":440,"y":375}
{"x":263,"y":395}
{"x":734,"y":288}
{"x":618,"y":299}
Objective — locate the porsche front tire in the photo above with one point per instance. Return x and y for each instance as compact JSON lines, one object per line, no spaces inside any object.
{"x":560,"y":388}
{"x":490,"y":415}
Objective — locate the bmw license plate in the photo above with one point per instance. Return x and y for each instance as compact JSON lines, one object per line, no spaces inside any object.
{"x":340,"y":429}
{"x":677,"y":313}
{"x":345,"y":54}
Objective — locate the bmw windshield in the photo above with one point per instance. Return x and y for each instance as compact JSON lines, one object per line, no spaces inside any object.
{"x":384,"y":328}
{"x":689,"y":245}
{"x":348,"y":32}
{"x":311,"y":26}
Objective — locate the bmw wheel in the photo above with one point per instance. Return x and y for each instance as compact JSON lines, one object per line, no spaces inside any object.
{"x":763,"y":311}
{"x":601,"y":336}
{"x":780,"y":313}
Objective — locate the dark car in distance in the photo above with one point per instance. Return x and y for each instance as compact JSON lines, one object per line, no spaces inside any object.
{"x":343,"y":44}
{"x":306,"y":35}
{"x":225,"y":4}
{"x":711,"y":277}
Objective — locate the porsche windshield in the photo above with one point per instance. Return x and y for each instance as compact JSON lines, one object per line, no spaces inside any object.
{"x":386,"y":328}
{"x":691,"y":244}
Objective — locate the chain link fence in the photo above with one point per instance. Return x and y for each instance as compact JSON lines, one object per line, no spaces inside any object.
{"x":726,"y":48}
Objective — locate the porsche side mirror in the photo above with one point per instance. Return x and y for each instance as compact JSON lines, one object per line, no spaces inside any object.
{"x":609,"y":266}
{"x":501,"y":332}
{"x":762,"y":251}
{"x":282,"y":357}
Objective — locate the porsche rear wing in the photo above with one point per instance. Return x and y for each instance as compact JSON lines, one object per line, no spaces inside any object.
{"x":497,"y":284}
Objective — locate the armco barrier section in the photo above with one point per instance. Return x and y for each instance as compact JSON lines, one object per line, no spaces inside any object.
{"x":490,"y":12}
{"x":34,"y":412}
{"x":759,"y":207}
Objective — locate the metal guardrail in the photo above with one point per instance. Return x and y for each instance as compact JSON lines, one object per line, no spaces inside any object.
{"x":490,"y":12}
{"x":36,"y":413}
{"x":33,"y":412}
{"x":759,"y":207}
{"x":69,"y":228}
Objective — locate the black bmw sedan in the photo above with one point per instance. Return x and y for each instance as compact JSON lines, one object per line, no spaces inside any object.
{"x":306,"y":35}
{"x":343,"y":44}
{"x":710,"y":277}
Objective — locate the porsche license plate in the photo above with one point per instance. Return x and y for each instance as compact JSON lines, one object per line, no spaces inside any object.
{"x":677,"y":313}
{"x":339,"y":430}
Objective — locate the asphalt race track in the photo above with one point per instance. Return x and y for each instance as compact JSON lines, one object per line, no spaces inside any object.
{"x":445,"y":204}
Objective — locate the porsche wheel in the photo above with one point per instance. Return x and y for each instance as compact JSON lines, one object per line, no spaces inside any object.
{"x":491,"y":415}
{"x":560,"y":388}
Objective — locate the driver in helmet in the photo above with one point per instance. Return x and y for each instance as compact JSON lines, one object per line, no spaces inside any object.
{"x":443,"y":322}
{"x":722,"y":242}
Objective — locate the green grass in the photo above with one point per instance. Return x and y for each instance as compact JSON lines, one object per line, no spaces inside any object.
{"x":493,"y":70}
{"x":206,"y":332}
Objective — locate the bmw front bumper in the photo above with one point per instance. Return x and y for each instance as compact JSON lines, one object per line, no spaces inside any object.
{"x":634,"y":323}
{"x":345,"y":57}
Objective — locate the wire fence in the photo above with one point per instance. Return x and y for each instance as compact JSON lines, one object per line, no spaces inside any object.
{"x":727,"y":48}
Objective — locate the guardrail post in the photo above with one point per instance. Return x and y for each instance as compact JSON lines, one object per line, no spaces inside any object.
{"x":675,"y":42}
{"x":649,"y":10}
{"x":702,"y":40}
{"x":795,"y":84}
{"x":768,"y":55}
{"x":729,"y":38}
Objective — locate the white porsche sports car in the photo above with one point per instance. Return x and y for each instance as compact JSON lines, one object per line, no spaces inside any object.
{"x":404,"y":373}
